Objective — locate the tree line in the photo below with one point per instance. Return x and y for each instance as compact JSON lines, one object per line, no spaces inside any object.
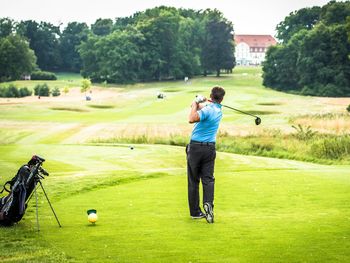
{"x":313,"y":57}
{"x":157,"y":44}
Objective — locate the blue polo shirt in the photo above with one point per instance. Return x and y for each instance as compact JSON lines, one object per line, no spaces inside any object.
{"x":205,"y":130}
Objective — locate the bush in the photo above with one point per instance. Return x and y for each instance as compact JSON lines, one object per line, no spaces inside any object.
{"x":11,"y":91}
{"x":304,"y":133}
{"x":56,"y":92}
{"x":348,"y":108}
{"x":25,"y":92}
{"x":42,"y":90}
{"x":332,"y":148}
{"x":43,"y":75}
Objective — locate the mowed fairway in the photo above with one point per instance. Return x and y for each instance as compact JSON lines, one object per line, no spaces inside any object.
{"x":266,"y":210}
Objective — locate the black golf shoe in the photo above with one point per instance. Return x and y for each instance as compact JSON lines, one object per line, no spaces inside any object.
{"x":209,"y":215}
{"x":199,"y":215}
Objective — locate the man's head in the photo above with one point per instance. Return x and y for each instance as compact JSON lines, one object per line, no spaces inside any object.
{"x":217,"y":94}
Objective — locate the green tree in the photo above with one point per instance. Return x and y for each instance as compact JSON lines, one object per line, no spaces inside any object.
{"x":157,"y":44}
{"x":43,"y":39}
{"x":117,"y":57}
{"x":348,"y":27}
{"x":305,"y":18}
{"x":189,"y":51}
{"x":335,"y":12}
{"x":56,"y":92}
{"x":88,"y":54}
{"x":102,"y":27}
{"x":314,"y":55}
{"x":72,"y":36}
{"x":279,"y":67}
{"x":42,"y":90}
{"x":160,"y":28}
{"x":324,"y":65}
{"x":85,"y":85}
{"x":218,"y":46}
{"x":16,"y":58}
{"x":65,"y":90}
{"x":6,"y":26}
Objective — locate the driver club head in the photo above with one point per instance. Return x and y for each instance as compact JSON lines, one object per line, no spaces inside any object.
{"x":257,"y":121}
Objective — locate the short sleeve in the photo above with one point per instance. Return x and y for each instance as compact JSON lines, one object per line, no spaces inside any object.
{"x":204,"y":113}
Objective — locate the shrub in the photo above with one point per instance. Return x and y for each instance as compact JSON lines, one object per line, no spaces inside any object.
{"x":43,"y":75}
{"x":304,"y":133}
{"x":56,"y":92}
{"x":11,"y":91}
{"x":348,"y":108}
{"x":42,"y":90}
{"x":332,"y":147}
{"x":25,"y":92}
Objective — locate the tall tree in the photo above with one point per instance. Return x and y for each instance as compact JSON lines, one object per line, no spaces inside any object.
{"x":87,"y":52}
{"x":323,"y":65}
{"x":102,"y":27}
{"x":314,"y":61}
{"x":72,"y":36}
{"x":335,"y":12}
{"x":43,"y":39}
{"x":279,"y":67}
{"x":7,"y":26}
{"x":304,"y":18}
{"x":218,"y":46}
{"x":117,"y":57}
{"x":161,"y":31}
{"x":16,"y":58}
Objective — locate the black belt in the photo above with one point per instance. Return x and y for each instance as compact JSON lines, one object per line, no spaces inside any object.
{"x":202,"y":143}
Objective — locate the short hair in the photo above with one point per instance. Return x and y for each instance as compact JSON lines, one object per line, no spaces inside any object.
{"x":217,"y":93}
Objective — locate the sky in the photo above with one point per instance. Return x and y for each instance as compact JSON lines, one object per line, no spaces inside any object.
{"x":248,"y":16}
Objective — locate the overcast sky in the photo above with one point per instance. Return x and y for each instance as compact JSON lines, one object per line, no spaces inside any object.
{"x":248,"y":16}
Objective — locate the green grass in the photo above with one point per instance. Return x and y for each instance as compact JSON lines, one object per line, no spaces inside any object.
{"x":266,"y":209}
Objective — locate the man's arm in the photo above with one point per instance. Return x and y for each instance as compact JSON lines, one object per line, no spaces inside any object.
{"x":194,"y":116}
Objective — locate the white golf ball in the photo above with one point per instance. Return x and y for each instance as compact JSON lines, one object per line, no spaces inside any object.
{"x":92,"y":218}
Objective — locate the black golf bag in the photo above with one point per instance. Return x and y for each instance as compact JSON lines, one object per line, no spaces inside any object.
{"x":13,"y":206}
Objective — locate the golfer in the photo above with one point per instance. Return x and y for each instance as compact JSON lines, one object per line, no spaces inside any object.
{"x":201,"y":153}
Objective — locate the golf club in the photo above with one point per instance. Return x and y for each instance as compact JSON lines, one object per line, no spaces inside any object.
{"x":257,"y":119}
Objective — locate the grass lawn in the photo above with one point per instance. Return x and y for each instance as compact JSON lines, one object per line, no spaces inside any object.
{"x":266,"y":209}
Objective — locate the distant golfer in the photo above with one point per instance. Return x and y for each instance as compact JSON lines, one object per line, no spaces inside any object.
{"x":201,"y":153}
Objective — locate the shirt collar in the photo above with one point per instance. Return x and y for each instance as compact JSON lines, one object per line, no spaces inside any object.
{"x":217,"y":104}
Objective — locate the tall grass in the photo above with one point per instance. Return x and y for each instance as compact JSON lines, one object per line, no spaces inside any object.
{"x":318,"y":148}
{"x":335,"y":148}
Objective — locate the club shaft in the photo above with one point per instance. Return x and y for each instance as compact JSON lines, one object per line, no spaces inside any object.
{"x":234,"y":109}
{"x":239,"y":111}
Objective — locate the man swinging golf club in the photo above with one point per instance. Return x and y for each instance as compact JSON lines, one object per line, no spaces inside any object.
{"x":201,"y":152}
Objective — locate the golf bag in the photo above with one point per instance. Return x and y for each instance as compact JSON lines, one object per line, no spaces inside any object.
{"x":13,"y":206}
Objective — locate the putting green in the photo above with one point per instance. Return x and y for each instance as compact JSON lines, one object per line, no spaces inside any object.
{"x":267,"y":210}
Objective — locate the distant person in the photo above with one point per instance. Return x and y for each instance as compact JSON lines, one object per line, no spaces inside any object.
{"x":201,"y":153}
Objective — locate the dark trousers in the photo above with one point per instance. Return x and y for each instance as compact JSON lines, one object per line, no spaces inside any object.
{"x":200,"y":166}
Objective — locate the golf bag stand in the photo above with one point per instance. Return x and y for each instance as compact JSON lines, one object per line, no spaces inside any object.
{"x":38,"y":181}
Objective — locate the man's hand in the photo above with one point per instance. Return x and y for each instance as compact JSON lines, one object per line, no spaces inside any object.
{"x":200,"y":99}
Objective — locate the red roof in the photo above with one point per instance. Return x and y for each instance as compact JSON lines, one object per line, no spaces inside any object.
{"x":256,"y":40}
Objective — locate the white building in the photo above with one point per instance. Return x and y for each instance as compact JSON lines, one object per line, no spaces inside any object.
{"x":251,"y":49}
